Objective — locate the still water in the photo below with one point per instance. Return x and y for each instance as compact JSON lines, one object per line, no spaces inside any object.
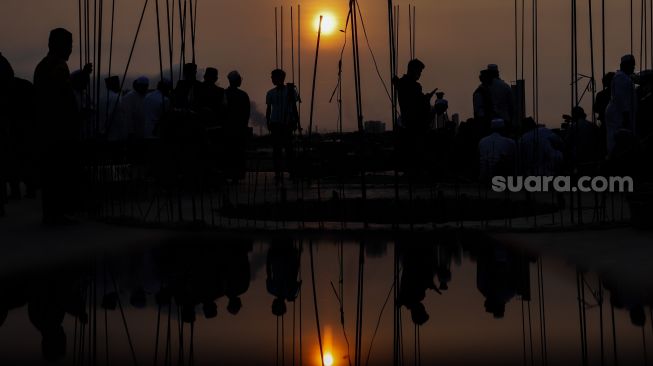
{"x":460,"y":299}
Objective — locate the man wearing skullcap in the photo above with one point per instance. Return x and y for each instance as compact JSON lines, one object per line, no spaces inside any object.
{"x":496,"y":153}
{"x":133,"y":109}
{"x":621,"y":112}
{"x":502,"y":98}
{"x":237,"y":122}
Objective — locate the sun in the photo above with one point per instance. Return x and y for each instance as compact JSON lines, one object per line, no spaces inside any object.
{"x":328,"y":359}
{"x":329,"y":23}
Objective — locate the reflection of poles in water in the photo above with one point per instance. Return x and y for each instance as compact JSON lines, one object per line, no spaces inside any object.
{"x":580,"y":289}
{"x":540,"y":287}
{"x":317,"y":314}
{"x":614,"y":335}
{"x":359,"y":304}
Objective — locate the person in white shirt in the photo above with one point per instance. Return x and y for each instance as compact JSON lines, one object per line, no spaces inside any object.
{"x":496,"y":152}
{"x":539,"y":151}
{"x":110,"y":110}
{"x":622,"y":109}
{"x":502,"y":98}
{"x":156,"y":105}
{"x":133,"y":108}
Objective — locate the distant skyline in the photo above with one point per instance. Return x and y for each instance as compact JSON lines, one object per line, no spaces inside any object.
{"x":455,"y":38}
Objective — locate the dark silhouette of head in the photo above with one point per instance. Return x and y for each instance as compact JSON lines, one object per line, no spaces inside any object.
{"x":141,"y":85}
{"x":637,"y":316}
{"x":485,"y":77}
{"x":495,"y":307}
{"x":607,"y":80}
{"x":113,"y":84}
{"x":60,"y":43}
{"x":415,"y":68}
{"x":628,"y":64}
{"x":210,"y":309}
{"x":164,"y":86}
{"x":529,"y":124}
{"x":493,"y":71}
{"x":578,"y":113}
{"x":211,"y":75}
{"x":234,"y":305}
{"x":278,"y":307}
{"x":235,"y":80}
{"x":418,"y":314}
{"x":190,"y":72}
{"x":278,"y":77}
{"x":6,"y":71}
{"x":53,"y":344}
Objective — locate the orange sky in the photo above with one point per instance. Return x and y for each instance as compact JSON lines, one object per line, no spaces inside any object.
{"x":455,"y":38}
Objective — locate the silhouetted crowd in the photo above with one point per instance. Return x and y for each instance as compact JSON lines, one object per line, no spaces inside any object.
{"x":499,"y":141}
{"x":189,"y":131}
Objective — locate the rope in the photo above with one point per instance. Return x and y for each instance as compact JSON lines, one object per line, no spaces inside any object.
{"x":369,"y":46}
{"x":378,"y":323}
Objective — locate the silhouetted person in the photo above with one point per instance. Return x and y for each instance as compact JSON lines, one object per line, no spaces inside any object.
{"x":415,"y":106}
{"x":157,"y":106}
{"x":282,"y":121}
{"x":236,"y":274}
{"x":81,"y":80}
{"x":502,"y":97}
{"x":133,"y":109}
{"x":185,"y":96}
{"x":237,"y":124}
{"x":583,"y":142}
{"x":416,"y":278}
{"x":600,"y":105}
{"x":497,"y":153}
{"x":440,"y":108}
{"x":621,"y":112}
{"x":60,"y":127}
{"x":482,"y":99}
{"x":539,"y":150}
{"x":211,"y":99}
{"x":416,"y":116}
{"x":282,"y":270}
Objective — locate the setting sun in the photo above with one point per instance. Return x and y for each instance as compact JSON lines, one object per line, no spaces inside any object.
{"x":329,"y":23}
{"x":328,"y":359}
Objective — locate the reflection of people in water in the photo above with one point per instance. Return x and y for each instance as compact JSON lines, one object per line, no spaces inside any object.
{"x":501,"y":275}
{"x":282,"y":272}
{"x":202,"y":273}
{"x":418,"y":270}
{"x":49,"y":296}
{"x":628,"y":298}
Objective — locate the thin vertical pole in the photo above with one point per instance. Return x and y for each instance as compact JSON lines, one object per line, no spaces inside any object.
{"x":317,"y":54}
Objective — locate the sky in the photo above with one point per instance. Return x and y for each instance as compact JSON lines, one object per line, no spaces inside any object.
{"x":454,"y":38}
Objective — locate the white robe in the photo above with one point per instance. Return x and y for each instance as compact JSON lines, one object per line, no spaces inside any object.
{"x":155,"y":106}
{"x":494,"y":149}
{"x":623,"y":100}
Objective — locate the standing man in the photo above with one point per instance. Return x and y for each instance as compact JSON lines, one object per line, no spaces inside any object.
{"x":621,"y":112}
{"x":60,"y":126}
{"x":416,"y":116}
{"x":601,"y":104}
{"x":133,"y":108}
{"x":210,"y":99}
{"x":237,"y":121}
{"x":282,"y":120}
{"x":156,"y":105}
{"x":482,"y":100}
{"x":496,"y":153}
{"x":502,"y":99}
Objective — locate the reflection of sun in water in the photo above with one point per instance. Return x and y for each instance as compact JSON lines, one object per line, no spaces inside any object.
{"x":328,"y":359}
{"x":329,"y":23}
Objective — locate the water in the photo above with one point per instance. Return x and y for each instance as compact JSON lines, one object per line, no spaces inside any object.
{"x":490,"y":314}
